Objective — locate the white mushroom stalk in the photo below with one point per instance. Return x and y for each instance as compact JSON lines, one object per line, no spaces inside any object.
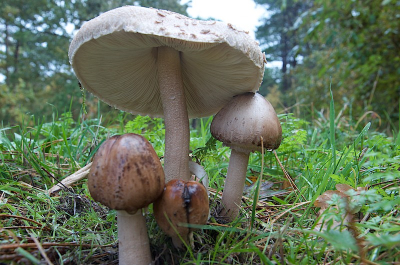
{"x":133,"y":246}
{"x":234,"y":184}
{"x":176,"y":156}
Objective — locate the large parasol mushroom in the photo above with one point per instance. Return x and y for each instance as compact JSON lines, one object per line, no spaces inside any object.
{"x":163,"y":64}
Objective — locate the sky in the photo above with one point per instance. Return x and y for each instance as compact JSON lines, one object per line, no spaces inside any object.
{"x":243,"y":14}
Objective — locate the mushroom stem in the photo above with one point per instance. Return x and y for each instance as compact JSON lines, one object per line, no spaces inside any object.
{"x":234,"y":184}
{"x":188,"y":238}
{"x":133,"y":241}
{"x":176,"y":165}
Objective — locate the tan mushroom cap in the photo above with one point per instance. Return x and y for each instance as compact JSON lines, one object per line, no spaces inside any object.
{"x":114,"y":56}
{"x":244,"y":120}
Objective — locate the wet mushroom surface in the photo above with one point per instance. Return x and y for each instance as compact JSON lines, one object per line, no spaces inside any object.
{"x":182,"y":203}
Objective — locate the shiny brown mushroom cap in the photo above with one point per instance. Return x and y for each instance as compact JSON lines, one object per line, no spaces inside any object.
{"x":126,"y":173}
{"x":183,"y":202}
{"x":114,"y":56}
{"x":244,"y":120}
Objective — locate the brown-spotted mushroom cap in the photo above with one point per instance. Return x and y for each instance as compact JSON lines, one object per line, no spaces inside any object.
{"x":159,"y":63}
{"x":126,"y":175}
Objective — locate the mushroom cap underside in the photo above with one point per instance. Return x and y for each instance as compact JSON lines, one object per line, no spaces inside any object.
{"x":244,"y":120}
{"x":115,"y":57}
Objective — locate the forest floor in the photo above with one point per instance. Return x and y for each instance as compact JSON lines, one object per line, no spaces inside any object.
{"x":329,"y":195}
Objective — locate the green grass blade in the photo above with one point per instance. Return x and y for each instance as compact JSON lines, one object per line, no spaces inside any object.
{"x":332,"y":129}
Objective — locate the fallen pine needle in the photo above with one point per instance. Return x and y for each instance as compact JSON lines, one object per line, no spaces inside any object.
{"x":23,"y":218}
{"x":50,"y":244}
{"x":41,"y":250}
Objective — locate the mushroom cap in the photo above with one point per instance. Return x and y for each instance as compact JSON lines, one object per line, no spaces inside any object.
{"x":114,"y":57}
{"x":126,"y":173}
{"x":183,"y":202}
{"x":244,"y":120}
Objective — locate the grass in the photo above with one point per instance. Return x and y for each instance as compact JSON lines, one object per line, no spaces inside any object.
{"x":283,"y":227}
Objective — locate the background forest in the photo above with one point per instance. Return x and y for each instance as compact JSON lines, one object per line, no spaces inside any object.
{"x":349,"y":46}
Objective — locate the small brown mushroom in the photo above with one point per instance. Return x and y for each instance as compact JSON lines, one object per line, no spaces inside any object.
{"x":126,"y":175}
{"x":181,"y":204}
{"x":245,"y":124}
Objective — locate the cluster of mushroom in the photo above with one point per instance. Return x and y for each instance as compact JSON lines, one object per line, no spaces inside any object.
{"x":126,"y":175}
{"x":162,"y":64}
